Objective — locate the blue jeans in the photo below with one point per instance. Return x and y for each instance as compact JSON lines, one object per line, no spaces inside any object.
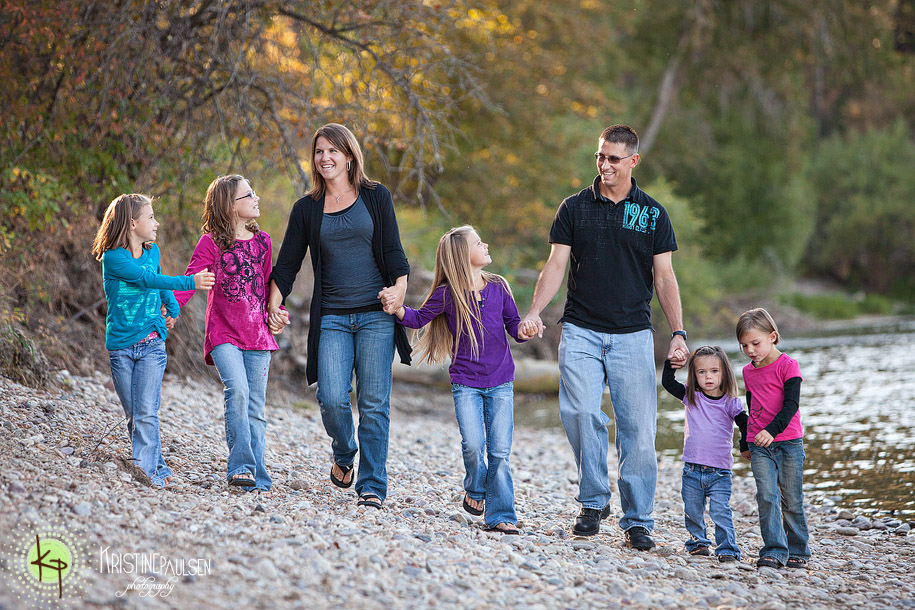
{"x":701,"y":482}
{"x":588,"y":362}
{"x":778,"y":470}
{"x":364,"y":343}
{"x":485,"y":417}
{"x":244,"y":375}
{"x":137,"y":375}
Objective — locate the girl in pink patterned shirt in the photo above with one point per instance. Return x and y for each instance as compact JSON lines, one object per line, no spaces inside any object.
{"x":238,"y":339}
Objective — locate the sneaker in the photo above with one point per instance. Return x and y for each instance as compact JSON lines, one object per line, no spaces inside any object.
{"x":726,"y":558}
{"x":638,"y":538}
{"x":587,"y":523}
{"x":701,"y":550}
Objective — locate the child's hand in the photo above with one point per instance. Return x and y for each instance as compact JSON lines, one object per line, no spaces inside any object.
{"x":763,"y":439}
{"x":527,"y":329}
{"x":169,"y":321}
{"x":204,"y":280}
{"x":278,"y":321}
{"x":745,"y":455}
{"x":391,"y":300}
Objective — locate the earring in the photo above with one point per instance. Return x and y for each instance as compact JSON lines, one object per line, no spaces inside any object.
{"x":349,"y":165}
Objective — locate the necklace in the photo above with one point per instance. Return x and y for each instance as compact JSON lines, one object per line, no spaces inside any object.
{"x":337,"y":197}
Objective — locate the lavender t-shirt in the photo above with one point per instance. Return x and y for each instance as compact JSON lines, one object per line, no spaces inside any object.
{"x":494,"y":365}
{"x":708,"y":435}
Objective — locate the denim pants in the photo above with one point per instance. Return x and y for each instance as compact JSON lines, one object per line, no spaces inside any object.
{"x":244,"y":377}
{"x":588,"y":362}
{"x":137,"y":375}
{"x":778,"y":470}
{"x":701,"y":482}
{"x":362,"y":343}
{"x":485,"y":417}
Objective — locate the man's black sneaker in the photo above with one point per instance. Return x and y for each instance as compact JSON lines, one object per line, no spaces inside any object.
{"x":587,"y":523}
{"x":638,"y":538}
{"x":701,"y":550}
{"x":727,"y":558}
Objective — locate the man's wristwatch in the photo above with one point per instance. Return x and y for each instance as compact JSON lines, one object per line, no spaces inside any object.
{"x":682,"y":333}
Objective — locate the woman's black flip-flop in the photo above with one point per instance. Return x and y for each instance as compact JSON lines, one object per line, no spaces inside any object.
{"x":340,"y":482}
{"x":242,"y":479}
{"x":369,"y":500}
{"x":470,"y":509}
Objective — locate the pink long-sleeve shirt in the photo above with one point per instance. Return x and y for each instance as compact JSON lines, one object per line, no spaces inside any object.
{"x":237,"y":304}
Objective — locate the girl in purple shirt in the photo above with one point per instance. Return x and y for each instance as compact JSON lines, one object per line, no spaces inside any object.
{"x":468,"y":312}
{"x":238,"y":339}
{"x":712,"y":408}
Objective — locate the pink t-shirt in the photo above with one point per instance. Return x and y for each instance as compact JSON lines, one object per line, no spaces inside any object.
{"x":766,"y":386}
{"x":237,"y":304}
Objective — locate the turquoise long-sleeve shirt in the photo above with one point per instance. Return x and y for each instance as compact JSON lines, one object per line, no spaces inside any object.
{"x":136,"y":289}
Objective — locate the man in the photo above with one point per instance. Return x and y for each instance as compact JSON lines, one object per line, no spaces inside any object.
{"x":619,"y":241}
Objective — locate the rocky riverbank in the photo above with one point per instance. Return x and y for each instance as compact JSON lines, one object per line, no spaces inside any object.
{"x":305,"y":544}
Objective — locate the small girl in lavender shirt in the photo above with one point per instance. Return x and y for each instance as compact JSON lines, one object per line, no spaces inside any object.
{"x":469,"y":312}
{"x":238,"y":339}
{"x":712,"y":408}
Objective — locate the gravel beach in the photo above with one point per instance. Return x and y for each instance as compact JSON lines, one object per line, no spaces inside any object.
{"x":305,"y":544}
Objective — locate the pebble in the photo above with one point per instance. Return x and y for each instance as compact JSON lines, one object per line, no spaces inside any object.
{"x":305,"y":543}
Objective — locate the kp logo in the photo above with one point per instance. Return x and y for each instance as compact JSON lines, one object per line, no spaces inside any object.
{"x":45,"y":561}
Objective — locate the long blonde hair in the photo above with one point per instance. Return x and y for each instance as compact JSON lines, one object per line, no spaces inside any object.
{"x":115,"y":230}
{"x":452,"y":268}
{"x":219,"y":211}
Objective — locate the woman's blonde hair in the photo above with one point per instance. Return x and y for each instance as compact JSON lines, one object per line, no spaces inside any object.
{"x":343,"y":140}
{"x":452,"y":268}
{"x":758,"y":319}
{"x":115,"y":230}
{"x":219,"y":211}
{"x":728,"y":379}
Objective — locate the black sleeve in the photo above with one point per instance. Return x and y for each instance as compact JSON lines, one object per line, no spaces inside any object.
{"x":670,"y":383}
{"x":395,"y":260}
{"x":743,"y":437}
{"x":741,"y":421}
{"x":789,"y":407}
{"x":292,"y":252}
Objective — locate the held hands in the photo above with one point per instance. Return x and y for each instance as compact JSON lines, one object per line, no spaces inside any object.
{"x":763,"y":439}
{"x":532,"y":324}
{"x":204,"y":280}
{"x":278,"y":320}
{"x":745,"y":455}
{"x":527,"y":329}
{"x":678,"y":353}
{"x":392,"y":299}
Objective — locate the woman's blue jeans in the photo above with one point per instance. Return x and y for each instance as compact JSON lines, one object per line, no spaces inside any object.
{"x":778,"y":470}
{"x":589,"y":361}
{"x":485,"y":418}
{"x":137,"y":375}
{"x":701,"y":482}
{"x":244,"y":375}
{"x":362,"y":343}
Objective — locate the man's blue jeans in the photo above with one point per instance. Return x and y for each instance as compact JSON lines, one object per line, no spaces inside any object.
{"x":588,"y":362}
{"x":362,"y":343}
{"x":701,"y":482}
{"x":778,"y":470}
{"x":137,"y":375}
{"x":244,"y":374}
{"x":485,"y":418}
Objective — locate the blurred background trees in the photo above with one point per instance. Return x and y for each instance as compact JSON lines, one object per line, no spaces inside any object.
{"x":779,"y":134}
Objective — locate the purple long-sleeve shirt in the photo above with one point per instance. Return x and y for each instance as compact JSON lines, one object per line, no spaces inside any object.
{"x":494,"y":365}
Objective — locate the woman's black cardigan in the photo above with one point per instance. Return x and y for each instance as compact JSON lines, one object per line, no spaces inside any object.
{"x":304,"y":230}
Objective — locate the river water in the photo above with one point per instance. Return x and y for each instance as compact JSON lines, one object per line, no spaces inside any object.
{"x":857,"y":406}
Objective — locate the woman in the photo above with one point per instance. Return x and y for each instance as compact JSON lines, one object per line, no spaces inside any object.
{"x":348,"y":223}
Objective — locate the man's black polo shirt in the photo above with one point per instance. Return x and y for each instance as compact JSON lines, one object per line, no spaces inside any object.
{"x":610,"y":276}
